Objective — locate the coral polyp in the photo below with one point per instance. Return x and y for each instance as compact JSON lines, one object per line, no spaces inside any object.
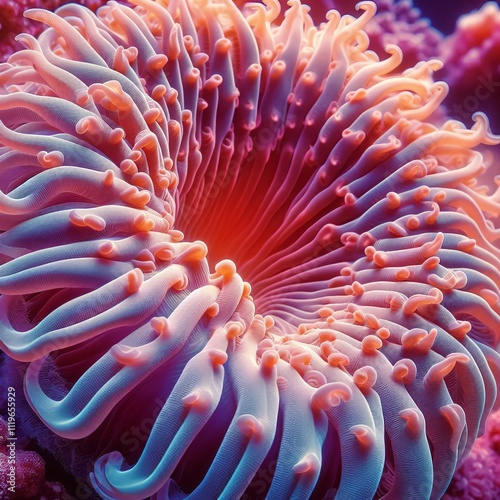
{"x":253,"y":236}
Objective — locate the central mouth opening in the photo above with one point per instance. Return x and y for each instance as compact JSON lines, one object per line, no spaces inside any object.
{"x":225,"y":220}
{"x":263,"y":220}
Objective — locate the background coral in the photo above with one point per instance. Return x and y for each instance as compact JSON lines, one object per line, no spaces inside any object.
{"x":30,"y":473}
{"x":479,"y":475}
{"x":12,"y":21}
{"x":472,"y":65}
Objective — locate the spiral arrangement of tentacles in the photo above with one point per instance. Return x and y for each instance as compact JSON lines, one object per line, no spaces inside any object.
{"x":363,"y":358}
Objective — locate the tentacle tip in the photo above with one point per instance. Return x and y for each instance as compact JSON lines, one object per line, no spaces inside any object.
{"x":414,"y":419}
{"x":310,"y":464}
{"x":251,"y":427}
{"x":160,"y":325}
{"x":217,"y":356}
{"x":198,"y":399}
{"x":364,"y":435}
{"x":135,"y":279}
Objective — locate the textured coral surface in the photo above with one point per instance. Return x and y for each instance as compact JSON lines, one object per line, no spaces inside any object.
{"x":30,"y":471}
{"x":239,"y":257}
{"x":479,"y":475}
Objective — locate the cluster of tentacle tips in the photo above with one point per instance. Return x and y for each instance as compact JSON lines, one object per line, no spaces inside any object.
{"x":144,"y":147}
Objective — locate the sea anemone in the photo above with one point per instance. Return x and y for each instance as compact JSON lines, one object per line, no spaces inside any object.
{"x":396,"y":22}
{"x":143,"y":147}
{"x":401,"y":24}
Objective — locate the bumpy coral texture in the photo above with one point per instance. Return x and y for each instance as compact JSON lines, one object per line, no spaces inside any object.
{"x":479,"y":475}
{"x":29,"y":473}
{"x":472,"y":64}
{"x":362,"y":359}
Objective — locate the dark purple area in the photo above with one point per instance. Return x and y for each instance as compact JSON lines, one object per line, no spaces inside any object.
{"x":443,"y":13}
